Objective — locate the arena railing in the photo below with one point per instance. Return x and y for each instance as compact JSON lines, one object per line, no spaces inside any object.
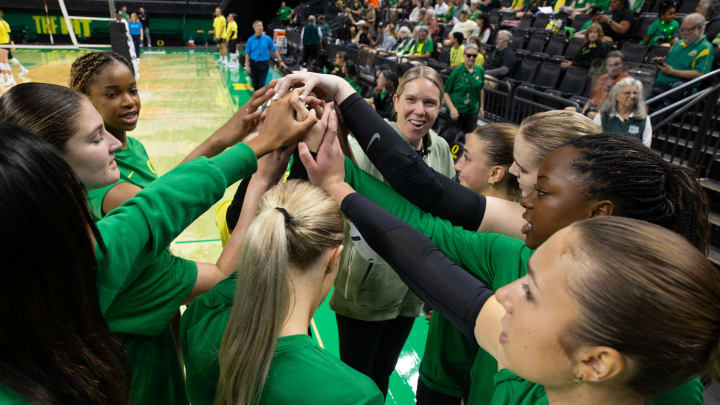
{"x":687,"y":132}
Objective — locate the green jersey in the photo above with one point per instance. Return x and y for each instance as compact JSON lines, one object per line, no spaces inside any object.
{"x":10,"y":397}
{"x":135,"y":168}
{"x":300,"y":373}
{"x":698,"y":56}
{"x":496,"y":260}
{"x":140,"y":285}
{"x":464,"y":88}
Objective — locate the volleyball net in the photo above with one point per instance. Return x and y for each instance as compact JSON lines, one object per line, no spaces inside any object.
{"x":59,"y":31}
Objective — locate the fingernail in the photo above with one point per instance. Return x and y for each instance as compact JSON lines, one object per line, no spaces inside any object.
{"x":275,"y":96}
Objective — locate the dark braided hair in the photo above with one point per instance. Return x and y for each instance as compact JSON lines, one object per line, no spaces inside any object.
{"x":86,"y":66}
{"x":642,"y":185}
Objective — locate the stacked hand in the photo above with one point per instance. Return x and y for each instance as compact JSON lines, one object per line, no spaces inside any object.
{"x":323,"y":86}
{"x":246,"y":119}
{"x":328,"y":169}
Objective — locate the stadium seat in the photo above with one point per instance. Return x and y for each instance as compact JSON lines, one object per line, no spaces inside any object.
{"x":526,"y":69}
{"x":580,"y":20}
{"x":573,"y":47}
{"x":518,"y":40}
{"x":526,"y":21}
{"x":687,"y":6}
{"x":641,"y":24}
{"x":547,"y":75}
{"x":634,"y":52}
{"x":556,"y":45}
{"x":537,"y":41}
{"x":574,"y":81}
{"x":541,"y":20}
{"x":495,"y":17}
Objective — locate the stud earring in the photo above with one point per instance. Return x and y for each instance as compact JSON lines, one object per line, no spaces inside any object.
{"x":578,"y":379}
{"x":491,"y":182}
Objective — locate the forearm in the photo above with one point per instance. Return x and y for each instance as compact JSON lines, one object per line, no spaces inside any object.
{"x":501,"y":71}
{"x":449,"y":102}
{"x":407,"y":173}
{"x":684,"y":74}
{"x":447,"y":287}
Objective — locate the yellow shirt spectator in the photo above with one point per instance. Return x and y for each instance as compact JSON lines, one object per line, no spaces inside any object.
{"x":231,"y":31}
{"x":456,"y":56}
{"x":4,"y":32}
{"x":219,"y":26}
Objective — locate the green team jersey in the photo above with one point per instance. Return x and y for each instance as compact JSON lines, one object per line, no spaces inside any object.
{"x":284,"y":13}
{"x":662,"y":31}
{"x":464,"y":88}
{"x":140,"y":285}
{"x":496,"y":260}
{"x":698,"y":56}
{"x":300,"y":373}
{"x":135,"y":168}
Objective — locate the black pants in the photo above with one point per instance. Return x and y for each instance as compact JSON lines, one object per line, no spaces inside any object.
{"x":136,"y":43}
{"x":466,"y":123}
{"x":426,"y":396}
{"x":258,"y":73}
{"x":373,"y":348}
{"x":310,"y":54}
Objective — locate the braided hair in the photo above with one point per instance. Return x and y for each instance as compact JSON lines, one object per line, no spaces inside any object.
{"x":87,"y":66}
{"x":642,"y":185}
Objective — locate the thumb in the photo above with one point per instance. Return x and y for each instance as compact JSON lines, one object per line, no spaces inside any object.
{"x":305,"y":156}
{"x":304,"y":127}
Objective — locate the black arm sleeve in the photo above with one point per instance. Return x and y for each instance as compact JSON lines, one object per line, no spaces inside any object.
{"x":406,"y":172}
{"x":445,"y":286}
{"x":297,"y":171}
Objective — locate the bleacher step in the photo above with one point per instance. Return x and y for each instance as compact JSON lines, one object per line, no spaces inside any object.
{"x":710,"y":184}
{"x":714,"y":255}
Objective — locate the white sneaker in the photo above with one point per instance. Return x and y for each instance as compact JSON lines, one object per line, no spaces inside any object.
{"x":23,"y":71}
{"x":10,"y":82}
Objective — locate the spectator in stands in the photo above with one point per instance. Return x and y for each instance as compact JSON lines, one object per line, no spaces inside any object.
{"x":285,"y":13}
{"x":688,"y":59}
{"x":482,"y":53}
{"x":124,"y":13}
{"x":487,"y":6}
{"x":624,"y":111}
{"x":310,"y":39}
{"x":432,"y":22}
{"x":447,"y":17}
{"x":710,"y":9}
{"x":484,"y":28}
{"x":592,"y":49}
{"x":384,"y":92}
{"x":475,"y":11}
{"x":415,"y":13}
{"x":324,"y":26}
{"x":370,"y":16}
{"x":457,"y":49}
{"x":503,"y":62}
{"x":459,"y":7}
{"x":464,"y":92}
{"x":340,"y":60}
{"x":354,"y":10}
{"x":615,"y":67}
{"x":441,"y":8}
{"x":257,"y":56}
{"x":363,"y":37}
{"x":663,"y":31}
{"x":404,"y":42}
{"x":423,"y":46}
{"x":145,"y":20}
{"x":389,"y":38}
{"x":464,"y":24}
{"x":421,"y":18}
{"x":350,"y":72}
{"x":617,"y":24}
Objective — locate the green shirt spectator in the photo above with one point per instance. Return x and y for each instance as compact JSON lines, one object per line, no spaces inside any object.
{"x":660,"y":31}
{"x":697,"y":56}
{"x":464,"y":86}
{"x":285,"y":13}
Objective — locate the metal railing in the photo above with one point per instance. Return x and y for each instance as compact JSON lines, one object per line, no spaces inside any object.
{"x":528,"y":101}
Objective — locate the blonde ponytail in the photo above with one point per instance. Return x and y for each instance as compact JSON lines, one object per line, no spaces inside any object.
{"x":296,"y":223}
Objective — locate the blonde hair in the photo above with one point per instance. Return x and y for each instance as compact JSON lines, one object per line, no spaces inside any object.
{"x":595,"y":27}
{"x":273,"y":242}
{"x":547,"y":131}
{"x":420,"y":72}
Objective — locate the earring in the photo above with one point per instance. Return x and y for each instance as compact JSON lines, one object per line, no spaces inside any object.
{"x":578,"y":379}
{"x":491,"y":182}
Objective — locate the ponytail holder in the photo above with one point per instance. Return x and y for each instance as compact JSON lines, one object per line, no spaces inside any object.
{"x":288,"y":218}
